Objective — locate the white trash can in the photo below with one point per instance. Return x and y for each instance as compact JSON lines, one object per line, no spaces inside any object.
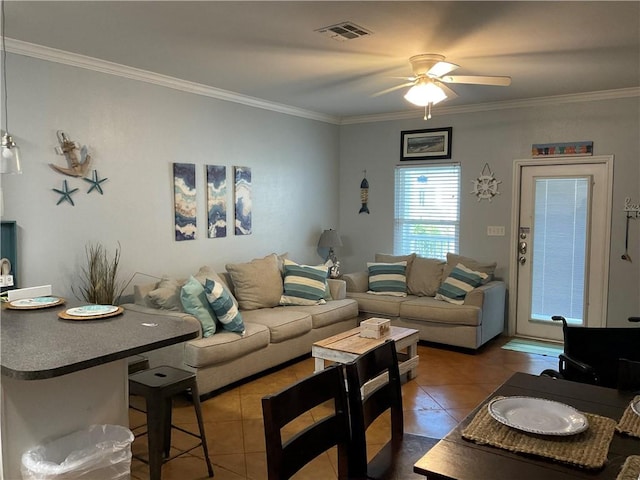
{"x":99,"y":452}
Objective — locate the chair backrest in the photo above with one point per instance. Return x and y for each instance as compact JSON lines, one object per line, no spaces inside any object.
{"x":600,"y":348}
{"x":365,"y":407}
{"x":285,"y":458}
{"x":629,"y":375}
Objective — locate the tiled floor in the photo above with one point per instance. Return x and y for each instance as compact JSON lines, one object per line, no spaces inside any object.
{"x":448,"y":386}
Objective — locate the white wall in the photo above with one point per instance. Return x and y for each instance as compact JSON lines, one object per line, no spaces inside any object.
{"x":134,"y":131}
{"x":497,"y":138}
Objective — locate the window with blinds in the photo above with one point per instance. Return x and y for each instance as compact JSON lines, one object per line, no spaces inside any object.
{"x":427,"y":210}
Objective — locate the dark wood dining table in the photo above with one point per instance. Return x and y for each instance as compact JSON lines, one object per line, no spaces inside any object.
{"x":453,"y":457}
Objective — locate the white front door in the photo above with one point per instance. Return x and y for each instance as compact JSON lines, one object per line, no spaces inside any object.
{"x":561,"y":243}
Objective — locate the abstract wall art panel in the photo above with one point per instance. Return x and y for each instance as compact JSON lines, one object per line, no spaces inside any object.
{"x":217,"y":201}
{"x":242,"y":195}
{"x":184,"y":196}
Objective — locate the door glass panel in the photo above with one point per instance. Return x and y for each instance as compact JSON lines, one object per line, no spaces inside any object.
{"x":559,"y":249}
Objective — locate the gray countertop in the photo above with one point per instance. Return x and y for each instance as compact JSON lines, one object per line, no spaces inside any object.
{"x":36,"y":344}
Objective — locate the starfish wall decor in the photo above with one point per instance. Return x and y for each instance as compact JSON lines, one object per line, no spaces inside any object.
{"x":95,"y":182}
{"x":66,"y":193}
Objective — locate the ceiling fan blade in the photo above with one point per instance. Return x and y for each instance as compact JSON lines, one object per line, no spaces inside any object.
{"x":450,"y":93}
{"x":393,"y":89}
{"x":477,"y":80}
{"x":442,"y":68}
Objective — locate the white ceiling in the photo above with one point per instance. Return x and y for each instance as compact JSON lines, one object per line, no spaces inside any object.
{"x":270,"y":50}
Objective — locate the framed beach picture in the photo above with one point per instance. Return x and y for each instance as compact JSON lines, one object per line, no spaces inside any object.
{"x":567,"y":149}
{"x":428,"y":144}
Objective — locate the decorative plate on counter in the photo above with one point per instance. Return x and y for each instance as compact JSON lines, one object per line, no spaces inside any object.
{"x":90,"y":312}
{"x":36,"y":302}
{"x":538,"y":415}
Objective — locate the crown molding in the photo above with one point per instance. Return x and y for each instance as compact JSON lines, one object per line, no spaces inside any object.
{"x":89,"y":63}
{"x":485,"y":107}
{"x":82,"y":61}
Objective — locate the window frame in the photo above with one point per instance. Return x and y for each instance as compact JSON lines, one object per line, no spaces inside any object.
{"x":449,"y":175}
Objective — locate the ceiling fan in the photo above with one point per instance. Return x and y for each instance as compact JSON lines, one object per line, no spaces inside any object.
{"x":431,"y":73}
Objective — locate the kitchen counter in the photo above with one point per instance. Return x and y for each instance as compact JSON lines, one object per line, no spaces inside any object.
{"x":36,"y":344}
{"x":59,"y":376}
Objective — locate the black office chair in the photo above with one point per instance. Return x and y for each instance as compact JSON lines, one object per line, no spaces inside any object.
{"x":285,"y":458}
{"x":600,"y":356}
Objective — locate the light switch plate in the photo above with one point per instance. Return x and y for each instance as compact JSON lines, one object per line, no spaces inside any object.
{"x":495,"y":231}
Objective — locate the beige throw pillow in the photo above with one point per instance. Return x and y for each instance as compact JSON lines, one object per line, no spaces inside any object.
{"x":426,"y":276}
{"x":167,"y":295}
{"x":258,"y":283}
{"x":484,"y":267}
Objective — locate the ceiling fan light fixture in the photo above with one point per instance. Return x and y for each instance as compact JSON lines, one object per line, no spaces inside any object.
{"x":425,"y":92}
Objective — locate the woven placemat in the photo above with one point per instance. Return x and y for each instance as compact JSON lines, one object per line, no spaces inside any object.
{"x":630,"y":421}
{"x":587,"y":449}
{"x":630,"y":469}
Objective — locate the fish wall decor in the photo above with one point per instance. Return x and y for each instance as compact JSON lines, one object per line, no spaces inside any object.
{"x":364,"y":194}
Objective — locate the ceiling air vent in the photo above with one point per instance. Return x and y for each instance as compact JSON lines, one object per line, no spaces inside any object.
{"x":344,"y":31}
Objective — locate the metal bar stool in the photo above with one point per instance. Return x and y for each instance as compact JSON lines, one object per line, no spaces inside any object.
{"x":158,"y":386}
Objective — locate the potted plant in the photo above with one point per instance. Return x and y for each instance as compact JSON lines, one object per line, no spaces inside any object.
{"x":99,"y":279}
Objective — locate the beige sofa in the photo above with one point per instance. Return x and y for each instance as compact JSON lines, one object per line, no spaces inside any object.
{"x":469,"y":325}
{"x":273,"y":335}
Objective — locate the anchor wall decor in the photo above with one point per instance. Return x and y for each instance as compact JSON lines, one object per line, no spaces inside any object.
{"x":78,"y":167}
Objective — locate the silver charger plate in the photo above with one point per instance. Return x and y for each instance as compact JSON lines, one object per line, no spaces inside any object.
{"x":635,"y":406}
{"x":538,"y":415}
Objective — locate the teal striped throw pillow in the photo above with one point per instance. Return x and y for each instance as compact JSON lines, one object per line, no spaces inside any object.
{"x":194,"y":301}
{"x":304,"y":284}
{"x":388,"y":278}
{"x":460,"y":281}
{"x":224,"y":306}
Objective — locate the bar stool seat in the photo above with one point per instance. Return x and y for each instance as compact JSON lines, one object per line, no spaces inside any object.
{"x":158,"y":386}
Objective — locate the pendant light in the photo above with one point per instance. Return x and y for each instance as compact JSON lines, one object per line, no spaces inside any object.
{"x":10,"y":157}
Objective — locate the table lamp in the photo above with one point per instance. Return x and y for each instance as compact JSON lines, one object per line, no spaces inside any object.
{"x":330,"y":239}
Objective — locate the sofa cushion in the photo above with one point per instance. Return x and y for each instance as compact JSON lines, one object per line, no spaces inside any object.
{"x":166,"y":295}
{"x":387,"y":305}
{"x":387,"y":278}
{"x":304,"y":284}
{"x":194,"y":301}
{"x":431,"y":310}
{"x":258,"y":283}
{"x":224,"y":306}
{"x":387,"y":258}
{"x":283,"y":322}
{"x":331,"y":312}
{"x":460,"y":281}
{"x":486,"y":267}
{"x":225,"y":346}
{"x":425,"y":277}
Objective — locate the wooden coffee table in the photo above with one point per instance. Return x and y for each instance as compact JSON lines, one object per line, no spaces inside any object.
{"x":347,"y":346}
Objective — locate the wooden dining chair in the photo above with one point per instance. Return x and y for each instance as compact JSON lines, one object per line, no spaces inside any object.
{"x":629,"y":375}
{"x":285,"y":458}
{"x":366,"y":406}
